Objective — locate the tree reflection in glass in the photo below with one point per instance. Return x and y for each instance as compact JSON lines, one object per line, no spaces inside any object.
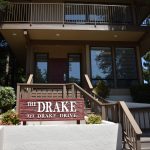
{"x":41,"y":68}
{"x":74,"y":68}
{"x":101,"y":63}
{"x":126,"y":63}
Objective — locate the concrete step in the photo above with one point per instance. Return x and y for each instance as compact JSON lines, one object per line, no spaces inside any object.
{"x":145,"y":144}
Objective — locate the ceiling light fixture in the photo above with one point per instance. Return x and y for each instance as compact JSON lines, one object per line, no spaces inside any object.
{"x":57,"y":34}
{"x":115,"y":36}
{"x":14,"y":34}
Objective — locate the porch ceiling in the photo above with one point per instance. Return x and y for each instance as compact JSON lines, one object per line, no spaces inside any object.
{"x":17,"y":41}
{"x":125,"y":36}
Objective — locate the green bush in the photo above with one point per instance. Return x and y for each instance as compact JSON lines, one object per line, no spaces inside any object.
{"x":10,"y":118}
{"x":7,"y":98}
{"x":140,"y":93}
{"x":101,"y":89}
{"x":3,"y":5}
{"x":93,"y":119}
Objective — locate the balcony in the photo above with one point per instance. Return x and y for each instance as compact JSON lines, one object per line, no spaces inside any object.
{"x":68,"y":13}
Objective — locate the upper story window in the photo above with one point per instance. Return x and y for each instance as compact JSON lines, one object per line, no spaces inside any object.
{"x":41,"y":65}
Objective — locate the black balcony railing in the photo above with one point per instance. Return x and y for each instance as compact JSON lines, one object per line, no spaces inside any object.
{"x":68,"y":13}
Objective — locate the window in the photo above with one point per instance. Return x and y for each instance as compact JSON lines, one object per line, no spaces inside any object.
{"x":41,"y":64}
{"x":101,"y":65}
{"x":146,"y":21}
{"x":102,"y":68}
{"x":126,"y":71}
{"x":74,"y":68}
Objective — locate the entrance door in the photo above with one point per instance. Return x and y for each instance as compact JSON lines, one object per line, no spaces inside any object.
{"x":57,"y":70}
{"x":74,"y":68}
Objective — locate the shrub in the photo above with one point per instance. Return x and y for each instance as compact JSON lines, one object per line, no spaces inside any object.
{"x":93,"y":119}
{"x":101,"y":89}
{"x":3,"y":5}
{"x":7,"y":98}
{"x":10,"y":118}
{"x":141,"y":93}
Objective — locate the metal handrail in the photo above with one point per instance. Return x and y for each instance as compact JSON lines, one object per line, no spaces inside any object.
{"x":68,"y":13}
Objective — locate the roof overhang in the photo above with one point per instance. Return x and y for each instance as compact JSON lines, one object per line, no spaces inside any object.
{"x":14,"y":35}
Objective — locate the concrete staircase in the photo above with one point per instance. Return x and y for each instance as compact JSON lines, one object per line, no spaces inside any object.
{"x":145,"y":140}
{"x":145,"y":143}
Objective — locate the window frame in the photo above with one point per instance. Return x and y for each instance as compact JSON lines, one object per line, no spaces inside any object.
{"x":80,"y":55}
{"x":114,"y":66}
{"x":35,"y":64}
{"x":108,"y":79}
{"x":136,"y":65}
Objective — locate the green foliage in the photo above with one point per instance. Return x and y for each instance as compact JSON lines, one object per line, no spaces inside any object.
{"x":7,"y":98}
{"x":10,"y":118}
{"x":141,"y":93}
{"x":20,"y":77}
{"x":3,"y":5}
{"x":93,"y":119}
{"x":2,"y":69}
{"x":146,"y":69}
{"x":101,"y":89}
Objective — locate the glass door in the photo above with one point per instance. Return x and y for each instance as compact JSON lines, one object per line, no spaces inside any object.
{"x":74,"y":73}
{"x":41,"y":65}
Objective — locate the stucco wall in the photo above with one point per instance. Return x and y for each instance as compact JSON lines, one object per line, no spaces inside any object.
{"x":1,"y":137}
{"x":65,"y":137}
{"x":59,"y":51}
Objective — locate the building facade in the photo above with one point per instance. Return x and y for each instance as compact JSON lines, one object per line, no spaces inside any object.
{"x":60,"y":41}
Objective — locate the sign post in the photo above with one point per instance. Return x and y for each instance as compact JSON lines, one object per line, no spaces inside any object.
{"x":51,"y":109}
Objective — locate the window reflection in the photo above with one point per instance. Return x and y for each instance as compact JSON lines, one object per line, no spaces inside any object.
{"x":41,"y":68}
{"x":74,"y":68}
{"x":101,"y":64}
{"x":126,"y":63}
{"x":126,"y":70}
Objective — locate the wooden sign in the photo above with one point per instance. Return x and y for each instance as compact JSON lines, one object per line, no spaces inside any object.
{"x":51,"y":109}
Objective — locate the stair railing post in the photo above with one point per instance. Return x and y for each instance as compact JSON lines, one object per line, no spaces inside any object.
{"x":18,"y":97}
{"x":73,"y":91}
{"x":64,"y":91}
{"x":120,"y":120}
{"x":138,"y":143}
{"x":103,"y":112}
